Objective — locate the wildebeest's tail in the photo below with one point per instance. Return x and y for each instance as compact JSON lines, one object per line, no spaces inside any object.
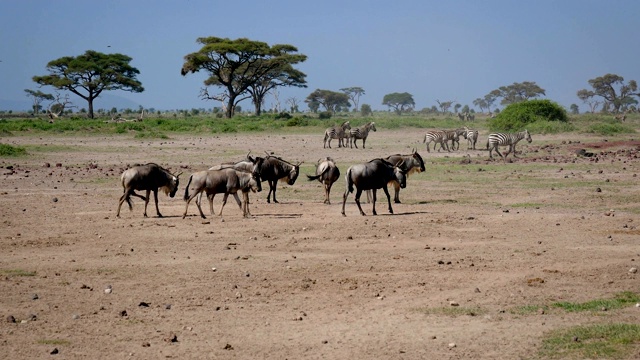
{"x":349,"y":181}
{"x":316,"y":177}
{"x":186,"y":189}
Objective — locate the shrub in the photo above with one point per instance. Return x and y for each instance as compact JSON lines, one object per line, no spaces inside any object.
{"x":283,"y":115}
{"x":10,"y":150}
{"x":325,"y":115}
{"x":516,"y":116}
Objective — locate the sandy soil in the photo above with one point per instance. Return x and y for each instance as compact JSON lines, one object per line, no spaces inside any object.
{"x":298,"y":280}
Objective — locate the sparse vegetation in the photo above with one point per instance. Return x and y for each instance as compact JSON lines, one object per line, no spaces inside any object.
{"x":10,"y":150}
{"x":605,"y":341}
{"x":17,"y":272}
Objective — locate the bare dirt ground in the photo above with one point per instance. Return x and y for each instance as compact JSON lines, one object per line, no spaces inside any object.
{"x":298,"y":280}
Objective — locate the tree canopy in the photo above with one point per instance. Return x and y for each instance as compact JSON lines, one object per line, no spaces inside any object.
{"x":244,"y":68}
{"x":515,"y":92}
{"x":354,"y":94}
{"x":399,"y":102}
{"x":38,"y":97}
{"x":91,"y":73}
{"x":331,"y":100}
{"x":605,"y":88}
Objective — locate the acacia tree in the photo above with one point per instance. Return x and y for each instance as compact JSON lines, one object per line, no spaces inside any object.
{"x":38,"y":97}
{"x":354,"y":94}
{"x":444,"y":105}
{"x":400,"y":102}
{"x":605,"y":87}
{"x":244,"y":68}
{"x":330,"y":100}
{"x":91,"y":73}
{"x":517,"y":92}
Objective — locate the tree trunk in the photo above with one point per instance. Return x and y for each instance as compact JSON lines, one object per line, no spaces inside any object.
{"x":258,"y":107}
{"x":90,"y":101}
{"x":230,"y":106}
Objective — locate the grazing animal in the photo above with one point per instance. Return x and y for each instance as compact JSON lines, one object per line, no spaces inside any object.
{"x":622,"y":117}
{"x":454,"y":137}
{"x":472,"y":138}
{"x":503,"y":139}
{"x":412,"y":163}
{"x":336,"y":132}
{"x":273,"y":169}
{"x":373,"y":175}
{"x":224,"y":181}
{"x":361,"y":133}
{"x":149,"y":177}
{"x":327,"y":173}
{"x":437,"y":137}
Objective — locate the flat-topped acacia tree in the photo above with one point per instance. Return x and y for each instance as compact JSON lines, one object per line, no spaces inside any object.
{"x":91,"y":73}
{"x":244,"y":68}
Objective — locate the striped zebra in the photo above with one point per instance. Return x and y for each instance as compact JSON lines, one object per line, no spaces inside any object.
{"x":503,"y":139}
{"x":361,"y":133}
{"x":336,"y":132}
{"x":454,"y":137}
{"x":472,"y":138}
{"x":437,"y":137}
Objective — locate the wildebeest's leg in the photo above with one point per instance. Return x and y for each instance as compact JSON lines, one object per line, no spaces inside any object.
{"x":245,"y":206}
{"x":396,"y":189}
{"x":327,"y":191}
{"x":155,"y":197}
{"x":224,"y":201}
{"x":272,"y":188}
{"x":386,"y":192}
{"x":146,"y":202}
{"x":198,"y":196}
{"x":374,"y":195}
{"x":235,"y":196}
{"x":364,"y":141}
{"x":358,"y":193}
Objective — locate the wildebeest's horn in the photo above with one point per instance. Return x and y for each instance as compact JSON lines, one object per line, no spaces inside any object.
{"x":180,"y":173}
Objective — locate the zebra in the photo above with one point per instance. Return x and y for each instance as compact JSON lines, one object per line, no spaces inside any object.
{"x":361,"y":133}
{"x":472,"y":138}
{"x":437,"y":137}
{"x":454,"y":137}
{"x":336,"y":132}
{"x":503,"y":139}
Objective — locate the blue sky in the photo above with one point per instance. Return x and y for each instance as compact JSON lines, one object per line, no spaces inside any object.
{"x":455,"y":50}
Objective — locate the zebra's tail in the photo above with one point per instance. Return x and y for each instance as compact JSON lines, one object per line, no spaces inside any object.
{"x":326,"y":136}
{"x":186,"y":189}
{"x":425,"y":139}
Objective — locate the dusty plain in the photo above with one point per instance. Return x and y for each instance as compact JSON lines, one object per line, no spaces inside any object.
{"x":447,"y":276}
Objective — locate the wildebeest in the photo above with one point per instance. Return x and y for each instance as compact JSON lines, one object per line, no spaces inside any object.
{"x":249,"y":164}
{"x":224,"y":181}
{"x":274,"y":169}
{"x":149,"y":177}
{"x":412,"y":163}
{"x":327,"y":173}
{"x":372,"y":176}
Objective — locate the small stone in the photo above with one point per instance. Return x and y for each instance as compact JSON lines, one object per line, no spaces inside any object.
{"x":55,"y":199}
{"x":146,"y":344}
{"x":541,"y":311}
{"x":54,"y":351}
{"x":633,"y":270}
{"x":452,"y":345}
{"x":107,"y":291}
{"x":454,"y":303}
{"x":167,"y":306}
{"x":34,"y":297}
{"x":228,"y":347}
{"x":477,"y":290}
{"x":12,"y":320}
{"x":123,"y":313}
{"x":575,"y":339}
{"x":143,"y":304}
{"x":171,"y":338}
{"x":213,"y":269}
{"x":75,"y":316}
{"x":598,"y":190}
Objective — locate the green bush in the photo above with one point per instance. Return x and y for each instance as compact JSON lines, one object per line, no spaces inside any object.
{"x":325,"y":115}
{"x":516,"y":116}
{"x":610,"y":129}
{"x":10,"y":150}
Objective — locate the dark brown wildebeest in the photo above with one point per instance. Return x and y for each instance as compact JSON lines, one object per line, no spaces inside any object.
{"x":149,"y":177}
{"x":224,"y":181}
{"x":373,"y":175}
{"x":412,"y":163}
{"x":275,"y":169}
{"x":327,"y":173}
